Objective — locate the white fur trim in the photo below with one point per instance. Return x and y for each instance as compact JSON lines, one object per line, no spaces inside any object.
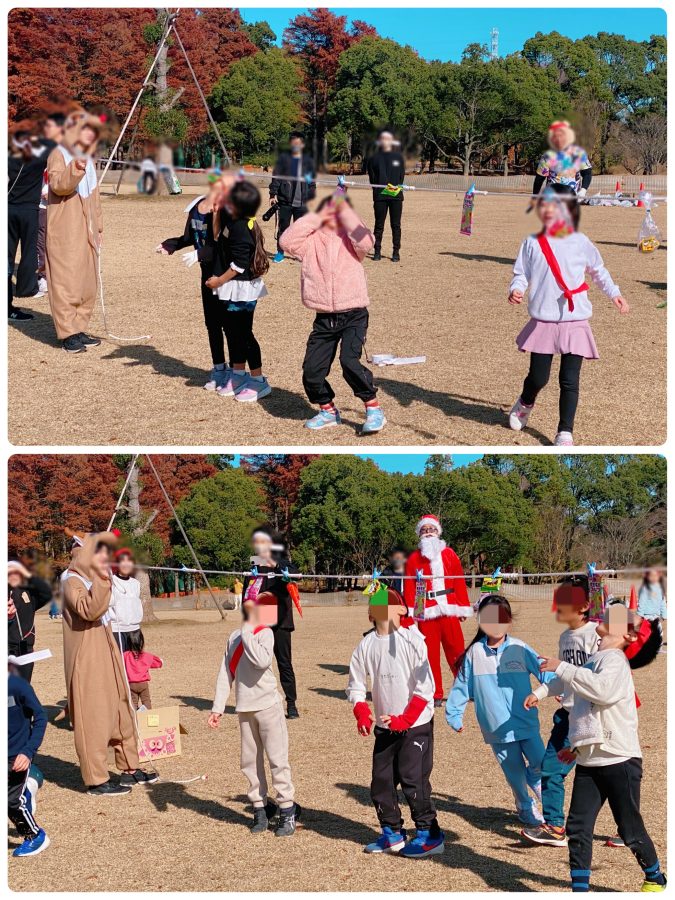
{"x":428,"y":520}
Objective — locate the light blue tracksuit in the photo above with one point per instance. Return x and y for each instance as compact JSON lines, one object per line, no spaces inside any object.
{"x":652,"y":602}
{"x":498,"y":680}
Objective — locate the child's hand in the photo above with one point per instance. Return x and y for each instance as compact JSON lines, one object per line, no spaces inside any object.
{"x":548,"y":665}
{"x":81,"y":164}
{"x":160,"y":249}
{"x":531,"y":701}
{"x":214,"y":720}
{"x":21,"y":763}
{"x":213,"y":282}
{"x":516,"y":297}
{"x":567,"y":755}
{"x":621,"y":305}
{"x":11,"y":609}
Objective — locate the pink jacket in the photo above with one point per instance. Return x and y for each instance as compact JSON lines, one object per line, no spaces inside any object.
{"x":138,"y":668}
{"x":333,"y":278}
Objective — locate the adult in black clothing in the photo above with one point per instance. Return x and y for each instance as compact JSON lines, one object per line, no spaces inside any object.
{"x":292,"y":197}
{"x":393,"y":574}
{"x":387,"y":166}
{"x":25,"y":169}
{"x":26,"y":595}
{"x":271,"y":559}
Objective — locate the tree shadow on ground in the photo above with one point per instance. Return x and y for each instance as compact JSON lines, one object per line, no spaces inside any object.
{"x":329,"y":692}
{"x":61,"y":772}
{"x":335,"y":667}
{"x":200,"y":703}
{"x":480,"y":257}
{"x":455,"y":405}
{"x":164,"y":795}
{"x":55,"y":710}
{"x":40,"y":328}
{"x":662,"y":245}
{"x":658,"y":286}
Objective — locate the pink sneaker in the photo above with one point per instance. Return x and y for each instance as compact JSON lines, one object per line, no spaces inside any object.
{"x":519,"y":415}
{"x":254,"y":389}
{"x":563,"y":439}
{"x":232,"y":384}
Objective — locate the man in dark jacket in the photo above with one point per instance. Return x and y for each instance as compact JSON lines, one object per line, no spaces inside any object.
{"x":26,"y":595}
{"x":292,"y":192}
{"x":387,"y":167}
{"x":393,"y":574}
{"x":271,"y":560}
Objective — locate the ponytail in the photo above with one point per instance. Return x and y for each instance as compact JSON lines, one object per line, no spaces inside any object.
{"x":260,"y":263}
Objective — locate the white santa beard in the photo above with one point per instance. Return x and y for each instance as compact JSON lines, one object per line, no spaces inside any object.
{"x":432,"y":549}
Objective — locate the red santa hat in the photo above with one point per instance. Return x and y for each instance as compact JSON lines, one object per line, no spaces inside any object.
{"x":429,"y":520}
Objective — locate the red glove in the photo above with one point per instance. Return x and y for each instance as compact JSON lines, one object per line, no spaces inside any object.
{"x":363,"y":716}
{"x":567,"y":755}
{"x":410,"y":714}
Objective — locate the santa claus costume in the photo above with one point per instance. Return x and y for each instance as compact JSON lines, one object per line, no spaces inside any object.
{"x":446,"y":599}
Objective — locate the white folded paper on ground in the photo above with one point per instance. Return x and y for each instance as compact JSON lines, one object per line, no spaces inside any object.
{"x":386,"y":359}
{"x":28,"y":658}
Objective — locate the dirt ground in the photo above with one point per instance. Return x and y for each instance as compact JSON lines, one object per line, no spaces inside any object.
{"x":194,"y":837}
{"x":446,"y":299}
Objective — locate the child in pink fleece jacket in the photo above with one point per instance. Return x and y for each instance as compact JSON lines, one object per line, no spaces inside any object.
{"x":332,"y":244}
{"x":138,"y":664}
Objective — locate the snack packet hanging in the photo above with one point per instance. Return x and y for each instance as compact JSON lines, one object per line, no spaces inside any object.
{"x":649,"y":236}
{"x":466,"y":224}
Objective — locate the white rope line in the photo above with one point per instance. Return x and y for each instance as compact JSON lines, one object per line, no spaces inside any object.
{"x":120,"y":340}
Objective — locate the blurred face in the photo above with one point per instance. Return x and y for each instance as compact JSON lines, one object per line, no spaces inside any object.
{"x":262,"y":546}
{"x":559,"y":138}
{"x":52,"y":131}
{"x":297,"y":146}
{"x":386,"y":141}
{"x":654,"y":576}
{"x":617,"y":628}
{"x":125,"y":565}
{"x":264,"y":611}
{"x":397,"y":561}
{"x":494,"y":621}
{"x":88,"y":138}
{"x":330,"y":219}
{"x":549,"y":212}
{"x":102,"y":556}
{"x":388,"y":613}
{"x":571,"y":602}
{"x":15,"y":579}
{"x":429,"y":531}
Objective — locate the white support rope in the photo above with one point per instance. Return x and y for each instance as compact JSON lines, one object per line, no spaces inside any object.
{"x":120,"y":340}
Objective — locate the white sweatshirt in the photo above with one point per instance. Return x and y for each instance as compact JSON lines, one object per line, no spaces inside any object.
{"x":603,"y":718}
{"x":576,"y":256}
{"x":255,"y":687}
{"x":575,"y":646}
{"x":398,"y":667}
{"x":126,"y":608}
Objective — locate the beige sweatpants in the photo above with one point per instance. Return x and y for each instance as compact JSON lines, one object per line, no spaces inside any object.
{"x":264,"y":733}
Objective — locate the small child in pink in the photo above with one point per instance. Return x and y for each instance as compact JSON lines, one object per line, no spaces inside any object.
{"x":332,"y":244}
{"x":138,"y":664}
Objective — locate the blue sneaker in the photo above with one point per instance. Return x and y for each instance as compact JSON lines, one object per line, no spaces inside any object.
{"x":390,"y":841}
{"x":375,"y":420}
{"x":33,"y":845}
{"x":325,"y":418}
{"x":278,"y":257}
{"x":424,"y":845}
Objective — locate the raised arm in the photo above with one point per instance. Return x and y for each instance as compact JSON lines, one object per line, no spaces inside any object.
{"x":63,"y":179}
{"x":258,"y":645}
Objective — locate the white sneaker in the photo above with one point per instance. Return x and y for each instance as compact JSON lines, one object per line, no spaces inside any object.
{"x":38,"y":296}
{"x":42,"y":285}
{"x":217,"y":377}
{"x":253,"y":389}
{"x":563,"y":439}
{"x":519,"y":415}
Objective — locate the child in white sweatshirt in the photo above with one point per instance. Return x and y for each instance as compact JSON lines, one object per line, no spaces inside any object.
{"x":248,"y":664}
{"x":552,"y":264}
{"x":603,"y":734}
{"x":396,"y":662}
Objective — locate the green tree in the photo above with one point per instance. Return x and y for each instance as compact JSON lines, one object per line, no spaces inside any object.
{"x":257,"y":103}
{"x":260,"y":34}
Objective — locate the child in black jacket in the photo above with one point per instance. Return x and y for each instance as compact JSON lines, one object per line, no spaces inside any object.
{"x":237,"y":285}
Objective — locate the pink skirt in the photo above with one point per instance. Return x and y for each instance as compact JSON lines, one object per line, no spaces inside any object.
{"x":558,"y":338}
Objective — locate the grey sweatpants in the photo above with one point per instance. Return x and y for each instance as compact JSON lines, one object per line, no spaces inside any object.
{"x":264,"y":733}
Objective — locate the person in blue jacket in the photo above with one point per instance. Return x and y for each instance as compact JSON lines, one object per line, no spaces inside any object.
{"x":26,"y":724}
{"x":495,"y":672}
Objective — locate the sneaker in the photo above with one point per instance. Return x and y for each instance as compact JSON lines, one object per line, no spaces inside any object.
{"x":530,"y":816}
{"x":129,"y":779}
{"x":424,"y":845}
{"x":287,"y":821}
{"x":396,"y":256}
{"x":218,"y":378}
{"x":615,"y":842}
{"x":33,"y":845}
{"x":88,"y":340}
{"x":325,"y":418}
{"x":232,"y":384}
{"x":563,"y":439}
{"x":377,"y":256}
{"x":278,"y":257}
{"x":108,"y":789}
{"x":37,"y":296}
{"x":73,"y":344}
{"x":19,"y":315}
{"x":545,"y":834}
{"x":519,"y":415}
{"x":647,"y":886}
{"x":375,"y":420}
{"x":292,"y":711}
{"x":42,"y":285}
{"x":260,"y":821}
{"x":254,"y":389}
{"x":390,"y":841}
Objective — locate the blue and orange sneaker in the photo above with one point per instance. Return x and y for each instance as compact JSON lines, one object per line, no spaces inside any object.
{"x":424,"y":845}
{"x":390,"y":841}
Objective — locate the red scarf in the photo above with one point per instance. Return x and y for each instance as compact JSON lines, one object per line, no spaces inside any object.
{"x":239,"y":650}
{"x":557,"y":274}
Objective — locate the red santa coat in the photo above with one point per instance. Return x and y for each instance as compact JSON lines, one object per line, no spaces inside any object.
{"x":455,"y":602}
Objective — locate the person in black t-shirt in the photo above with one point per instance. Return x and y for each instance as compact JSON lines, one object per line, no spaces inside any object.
{"x":26,"y":594}
{"x":387,"y":166}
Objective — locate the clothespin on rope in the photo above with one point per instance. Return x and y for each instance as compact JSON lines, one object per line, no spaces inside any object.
{"x":285,"y":575}
{"x":590,"y":568}
{"x":374,"y":585}
{"x":254,"y":571}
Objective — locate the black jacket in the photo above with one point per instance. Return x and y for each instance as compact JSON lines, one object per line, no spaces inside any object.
{"x":236,"y":244}
{"x":393,"y":579}
{"x":279,"y":588}
{"x":189,"y":238}
{"x":28,"y":599}
{"x":386,"y":168}
{"x":283,"y":190}
{"x":25,"y":176}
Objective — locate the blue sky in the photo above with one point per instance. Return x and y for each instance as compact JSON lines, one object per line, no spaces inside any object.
{"x":444,"y":33}
{"x":408,"y":463}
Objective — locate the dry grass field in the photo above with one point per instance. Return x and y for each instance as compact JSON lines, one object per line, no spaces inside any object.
{"x":194,"y":837}
{"x":446,"y":299}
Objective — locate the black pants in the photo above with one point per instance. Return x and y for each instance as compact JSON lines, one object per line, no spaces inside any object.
{"x":242,"y":346}
{"x":537,"y":379}
{"x":393,"y":206}
{"x":282,"y":652}
{"x":619,"y":785}
{"x":22,"y":225}
{"x":405,"y":759}
{"x":18,"y":803}
{"x":21,"y":649}
{"x":348,"y":330}
{"x":122,"y":639}
{"x":214,"y":315}
{"x":286,"y":215}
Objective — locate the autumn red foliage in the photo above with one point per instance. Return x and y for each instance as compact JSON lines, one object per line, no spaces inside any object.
{"x":280,"y":478}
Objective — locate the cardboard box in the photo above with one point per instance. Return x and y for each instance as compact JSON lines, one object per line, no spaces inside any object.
{"x":160,"y":733}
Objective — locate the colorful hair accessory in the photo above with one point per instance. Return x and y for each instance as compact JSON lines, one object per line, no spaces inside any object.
{"x":251,"y":223}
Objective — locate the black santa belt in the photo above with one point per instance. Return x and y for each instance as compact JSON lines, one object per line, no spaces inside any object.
{"x":431,"y":595}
